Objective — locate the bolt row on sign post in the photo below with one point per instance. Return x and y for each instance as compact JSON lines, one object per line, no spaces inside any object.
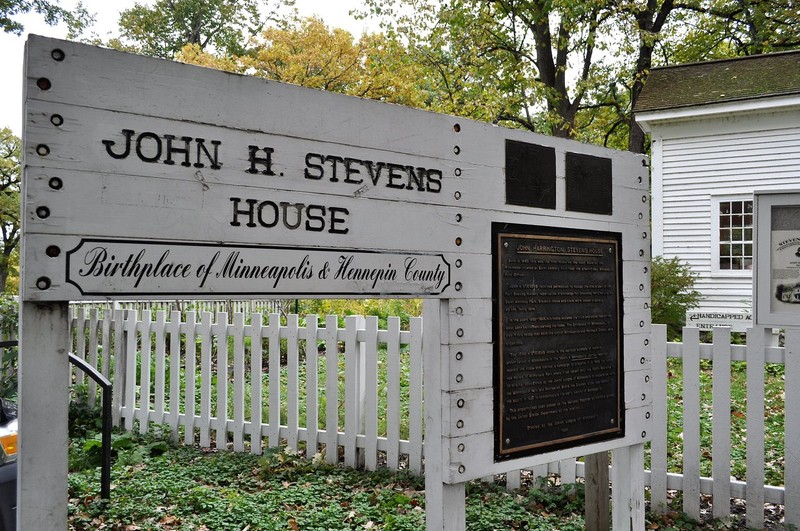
{"x":150,"y":179}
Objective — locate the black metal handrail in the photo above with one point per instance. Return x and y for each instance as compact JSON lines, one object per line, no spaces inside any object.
{"x":102,"y":381}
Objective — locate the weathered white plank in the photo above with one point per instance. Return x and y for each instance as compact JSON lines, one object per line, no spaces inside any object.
{"x":691,"y":422}
{"x":238,"y":382}
{"x":106,"y":322}
{"x":352,"y":398}
{"x":256,"y":383}
{"x":220,"y":329}
{"x":721,"y":422}
{"x":470,"y":450}
{"x":130,"y":367}
{"x":792,"y":436}
{"x":566,"y":468}
{"x":658,"y":445}
{"x":174,"y":331}
{"x":627,"y":480}
{"x":91,"y":355}
{"x":296,"y":112}
{"x":757,"y":339}
{"x":204,"y":424}
{"x":415,"y":396}
{"x":393,"y":392}
{"x":80,"y":343}
{"x":330,"y":335}
{"x":145,"y":372}
{"x":274,"y":379}
{"x":292,"y":380}
{"x":160,"y":376}
{"x":120,"y":367}
{"x":189,"y":398}
{"x":312,"y":386}
{"x":43,"y":412}
{"x":513,"y":479}
{"x":370,"y":409}
{"x":445,"y":503}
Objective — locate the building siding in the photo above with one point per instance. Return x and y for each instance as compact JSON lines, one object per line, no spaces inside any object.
{"x":718,"y":157}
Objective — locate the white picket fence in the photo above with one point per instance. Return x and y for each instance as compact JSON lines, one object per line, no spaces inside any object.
{"x":202,"y":375}
{"x":758,"y":355}
{"x":217,"y":392}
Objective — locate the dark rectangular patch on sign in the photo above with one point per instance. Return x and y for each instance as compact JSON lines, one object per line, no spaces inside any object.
{"x":530,"y":175}
{"x":589,"y":184}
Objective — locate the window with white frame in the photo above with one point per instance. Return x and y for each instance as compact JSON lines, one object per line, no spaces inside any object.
{"x":734,"y":234}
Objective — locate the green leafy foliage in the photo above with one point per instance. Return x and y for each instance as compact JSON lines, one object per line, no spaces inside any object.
{"x":9,"y":323}
{"x":163,"y":28}
{"x":10,"y":223}
{"x":672,"y":294}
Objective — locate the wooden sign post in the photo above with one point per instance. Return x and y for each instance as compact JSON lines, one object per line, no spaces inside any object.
{"x":149,"y":179}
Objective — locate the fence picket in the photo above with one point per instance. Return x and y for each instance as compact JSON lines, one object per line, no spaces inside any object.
{"x":221,"y":331}
{"x":721,"y":422}
{"x":371,"y":393}
{"x":415,"y":396}
{"x":312,"y":386}
{"x":174,"y":331}
{"x":80,"y":342}
{"x":205,"y":379}
{"x":120,"y":367}
{"x":658,"y":445}
{"x":352,"y":402}
{"x":274,"y":379}
{"x":691,"y":422}
{"x":160,"y":378}
{"x":189,"y":398}
{"x":792,"y":428}
{"x":393,"y":393}
{"x":238,"y":382}
{"x":130,"y":368}
{"x":144,"y":371}
{"x":757,"y":339}
{"x":292,"y":381}
{"x":330,"y":335}
{"x":256,"y":383}
{"x":91,"y":355}
{"x":105,"y":348}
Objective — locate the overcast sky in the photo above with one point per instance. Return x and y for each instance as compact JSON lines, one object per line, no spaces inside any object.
{"x":334,"y":12}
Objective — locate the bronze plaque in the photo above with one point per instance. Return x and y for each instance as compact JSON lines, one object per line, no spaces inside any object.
{"x":558,"y":339}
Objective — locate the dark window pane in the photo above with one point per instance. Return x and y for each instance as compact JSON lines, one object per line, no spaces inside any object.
{"x":736,"y":207}
{"x":724,"y":250}
{"x":748,"y":220}
{"x":748,"y":235}
{"x":748,"y":249}
{"x":748,"y":207}
{"x":725,"y":207}
{"x":724,"y":263}
{"x":736,"y":220}
{"x":748,"y":263}
{"x":725,"y":221}
{"x":724,"y":235}
{"x":736,"y":235}
{"x":737,"y":250}
{"x":736,"y":263}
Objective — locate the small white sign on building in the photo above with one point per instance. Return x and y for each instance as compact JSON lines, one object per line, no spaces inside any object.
{"x":776,"y":291}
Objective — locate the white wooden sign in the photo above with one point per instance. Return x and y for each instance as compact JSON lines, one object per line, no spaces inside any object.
{"x":707,"y":320}
{"x":776,"y":286}
{"x":151,"y":179}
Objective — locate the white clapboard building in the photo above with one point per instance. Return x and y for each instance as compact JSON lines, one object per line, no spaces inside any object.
{"x":720,"y":130}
